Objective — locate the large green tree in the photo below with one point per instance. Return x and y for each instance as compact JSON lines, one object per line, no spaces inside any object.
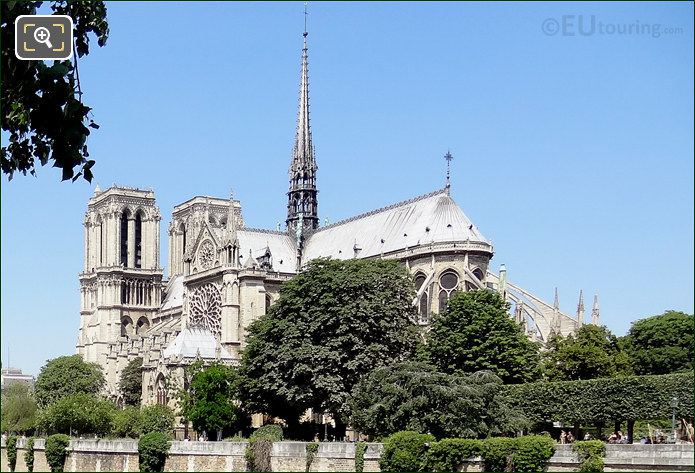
{"x":591,"y":352}
{"x":476,"y":333}
{"x":42,"y":108}
{"x":661,"y":344}
{"x":18,"y":408}
{"x":81,"y":413}
{"x":130,"y":383}
{"x":67,"y":375}
{"x":210,"y":402}
{"x":415,"y":396}
{"x":332,"y":324}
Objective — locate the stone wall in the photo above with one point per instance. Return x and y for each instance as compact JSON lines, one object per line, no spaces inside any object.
{"x":122,"y":455}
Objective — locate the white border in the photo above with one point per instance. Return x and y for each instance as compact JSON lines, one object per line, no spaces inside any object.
{"x":16,"y":38}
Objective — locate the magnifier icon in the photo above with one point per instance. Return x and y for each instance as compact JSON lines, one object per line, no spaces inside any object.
{"x":42,"y":35}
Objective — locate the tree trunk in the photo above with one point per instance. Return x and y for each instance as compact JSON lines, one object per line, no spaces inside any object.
{"x":630,"y":430}
{"x":617,"y":426}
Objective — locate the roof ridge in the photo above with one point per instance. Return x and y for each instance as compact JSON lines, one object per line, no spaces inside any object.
{"x":262,"y":230}
{"x":383,"y":209}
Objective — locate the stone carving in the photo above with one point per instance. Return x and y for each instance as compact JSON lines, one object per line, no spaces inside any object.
{"x":206,"y":308}
{"x":206,"y":254}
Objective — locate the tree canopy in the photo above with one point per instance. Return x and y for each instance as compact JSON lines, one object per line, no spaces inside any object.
{"x":210,"y":403}
{"x":591,"y":352}
{"x":81,"y":413}
{"x":130,"y":383}
{"x":67,"y":375}
{"x":43,"y":111}
{"x":18,"y":408}
{"x":156,"y":418}
{"x":475,"y":333}
{"x":333,"y":323}
{"x":661,"y":344}
{"x":415,"y":396}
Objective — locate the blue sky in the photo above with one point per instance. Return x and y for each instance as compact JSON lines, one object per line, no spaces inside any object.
{"x":573,"y":154}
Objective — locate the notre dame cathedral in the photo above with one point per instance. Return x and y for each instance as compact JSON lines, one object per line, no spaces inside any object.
{"x":223,"y":275}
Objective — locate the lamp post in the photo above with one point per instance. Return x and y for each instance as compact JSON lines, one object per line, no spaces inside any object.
{"x":674,"y":406}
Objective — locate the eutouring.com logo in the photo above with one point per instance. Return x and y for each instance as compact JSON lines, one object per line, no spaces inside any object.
{"x":589,"y":25}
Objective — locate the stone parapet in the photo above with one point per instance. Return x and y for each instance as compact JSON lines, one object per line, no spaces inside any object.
{"x":122,"y":455}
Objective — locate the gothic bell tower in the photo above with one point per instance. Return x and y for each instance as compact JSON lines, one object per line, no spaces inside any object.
{"x":302,"y":203}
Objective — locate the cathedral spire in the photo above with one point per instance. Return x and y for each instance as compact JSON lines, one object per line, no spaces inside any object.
{"x":595,"y":314}
{"x":302,"y":173}
{"x":580,"y":308}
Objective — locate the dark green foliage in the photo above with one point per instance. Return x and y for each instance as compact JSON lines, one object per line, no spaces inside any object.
{"x":360,"y":448}
{"x":591,"y":453}
{"x":67,"y":375}
{"x":476,"y":333}
{"x":319,"y":339}
{"x":153,"y":449}
{"x":661,"y":344}
{"x":127,"y":423}
{"x":78,"y":413}
{"x":521,"y":454}
{"x":210,"y":400}
{"x":311,"y":449}
{"x":592,"y":352}
{"x":450,"y":454}
{"x":43,"y":114}
{"x":157,"y":418}
{"x":415,"y":396}
{"x":29,"y":454}
{"x":57,"y":451}
{"x":271,"y":432}
{"x":498,"y":454}
{"x":18,"y":408}
{"x":12,"y":451}
{"x":130,"y":383}
{"x":533,"y":452}
{"x":604,"y":400}
{"x":405,"y":451}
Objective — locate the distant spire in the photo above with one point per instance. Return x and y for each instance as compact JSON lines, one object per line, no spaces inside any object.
{"x":595,"y":314}
{"x":580,"y":308}
{"x":556,"y":303}
{"x":448,"y":158}
{"x":302,"y":195}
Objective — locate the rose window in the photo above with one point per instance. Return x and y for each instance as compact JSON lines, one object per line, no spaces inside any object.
{"x":206,"y":254}
{"x":206,"y":308}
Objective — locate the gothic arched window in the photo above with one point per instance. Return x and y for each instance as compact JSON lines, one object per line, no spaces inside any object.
{"x":448,"y":283}
{"x":142,"y":327}
{"x":124,"y":238}
{"x":138,"y":239}
{"x":424,"y":302}
{"x":182,"y":229}
{"x":268,"y":302}
{"x":478,"y":274}
{"x":162,"y":394}
{"x":126,"y":327}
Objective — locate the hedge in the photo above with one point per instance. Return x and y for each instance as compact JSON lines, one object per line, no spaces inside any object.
{"x":411,"y":451}
{"x":153,"y":449}
{"x":450,"y":454}
{"x":57,"y":451}
{"x":29,"y":455}
{"x":591,"y":453}
{"x":12,"y":452}
{"x":405,"y":451}
{"x":605,"y":399}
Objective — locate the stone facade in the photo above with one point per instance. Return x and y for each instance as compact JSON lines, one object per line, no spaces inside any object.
{"x":224,"y":275}
{"x":121,"y":455}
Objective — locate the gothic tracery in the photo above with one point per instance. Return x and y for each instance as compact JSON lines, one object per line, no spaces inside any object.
{"x":206,"y":308}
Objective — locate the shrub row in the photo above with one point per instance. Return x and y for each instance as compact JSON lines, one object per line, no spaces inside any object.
{"x":591,"y":453}
{"x":604,"y":399}
{"x":411,"y":451}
